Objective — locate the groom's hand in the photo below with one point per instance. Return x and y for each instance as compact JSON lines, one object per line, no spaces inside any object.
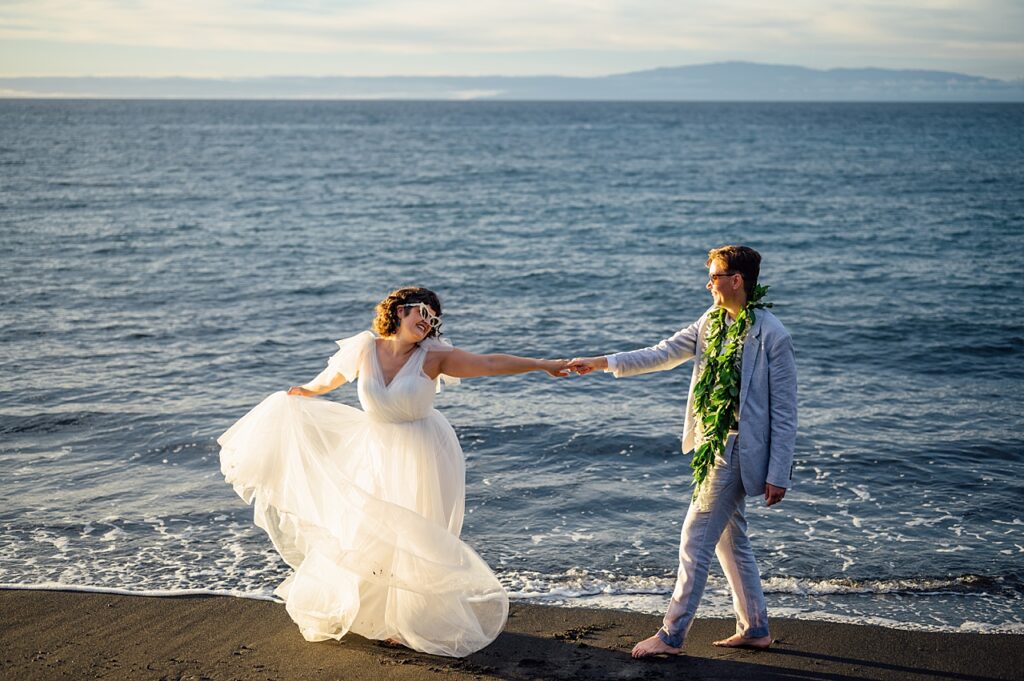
{"x":584,"y":365}
{"x":773,"y":494}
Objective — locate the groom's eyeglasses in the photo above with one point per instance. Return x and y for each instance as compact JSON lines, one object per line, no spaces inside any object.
{"x":426,"y":313}
{"x":715,"y":276}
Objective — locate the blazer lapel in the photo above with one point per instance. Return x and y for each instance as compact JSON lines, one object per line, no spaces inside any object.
{"x":750,"y":355}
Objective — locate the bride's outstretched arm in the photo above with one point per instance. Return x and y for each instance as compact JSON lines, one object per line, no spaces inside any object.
{"x":462,"y":364}
{"x":326,"y":381}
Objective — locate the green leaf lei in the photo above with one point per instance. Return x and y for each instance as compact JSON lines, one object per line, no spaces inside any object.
{"x":717,"y":393}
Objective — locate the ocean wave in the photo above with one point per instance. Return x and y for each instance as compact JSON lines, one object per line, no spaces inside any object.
{"x":578,"y":583}
{"x":911,"y":585}
{"x":51,"y":422}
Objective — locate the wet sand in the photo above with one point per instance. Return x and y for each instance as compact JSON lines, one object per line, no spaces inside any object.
{"x":72,"y":635}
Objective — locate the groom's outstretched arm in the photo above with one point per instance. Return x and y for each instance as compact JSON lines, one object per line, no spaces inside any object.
{"x":667,"y":354}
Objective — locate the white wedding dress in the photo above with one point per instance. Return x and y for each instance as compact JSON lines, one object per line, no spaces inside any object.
{"x":366,"y":506}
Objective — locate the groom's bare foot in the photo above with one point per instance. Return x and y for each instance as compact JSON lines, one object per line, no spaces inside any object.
{"x":737,"y":641}
{"x":653,"y":646}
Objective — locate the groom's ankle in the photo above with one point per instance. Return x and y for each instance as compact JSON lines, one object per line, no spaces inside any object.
{"x":667,"y":639}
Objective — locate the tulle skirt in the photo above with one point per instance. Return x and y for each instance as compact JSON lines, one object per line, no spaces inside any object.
{"x":368,"y":514}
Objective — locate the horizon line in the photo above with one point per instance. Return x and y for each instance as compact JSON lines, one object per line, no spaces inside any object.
{"x":1019,"y":78}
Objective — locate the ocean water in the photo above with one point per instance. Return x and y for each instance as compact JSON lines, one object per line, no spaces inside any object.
{"x":166,"y":265}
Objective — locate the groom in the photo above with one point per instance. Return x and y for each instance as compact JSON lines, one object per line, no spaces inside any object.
{"x":752,"y":454}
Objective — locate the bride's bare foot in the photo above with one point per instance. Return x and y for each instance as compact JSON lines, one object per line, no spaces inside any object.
{"x":653,"y":646}
{"x":394,"y":642}
{"x":737,"y":641}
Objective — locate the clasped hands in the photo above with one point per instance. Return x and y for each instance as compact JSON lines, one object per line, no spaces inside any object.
{"x":578,"y":365}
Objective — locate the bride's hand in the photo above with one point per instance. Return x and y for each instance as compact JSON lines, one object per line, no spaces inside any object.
{"x":300,"y":391}
{"x":556,"y":367}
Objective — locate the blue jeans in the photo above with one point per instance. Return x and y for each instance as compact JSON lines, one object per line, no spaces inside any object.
{"x":721,"y":529}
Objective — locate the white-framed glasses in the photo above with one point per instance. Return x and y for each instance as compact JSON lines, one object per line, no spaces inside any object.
{"x":426,"y":313}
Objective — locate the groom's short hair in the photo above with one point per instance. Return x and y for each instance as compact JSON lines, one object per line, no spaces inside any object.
{"x":741,"y":259}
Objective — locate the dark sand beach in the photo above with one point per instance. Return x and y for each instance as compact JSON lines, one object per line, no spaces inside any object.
{"x":60,"y":634}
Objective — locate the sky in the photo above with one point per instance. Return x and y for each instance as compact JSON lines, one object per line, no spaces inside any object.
{"x":252,"y":38}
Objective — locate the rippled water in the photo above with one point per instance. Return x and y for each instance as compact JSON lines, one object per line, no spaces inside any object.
{"x":168,"y":264}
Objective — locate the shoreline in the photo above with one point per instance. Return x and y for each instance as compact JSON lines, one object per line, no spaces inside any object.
{"x":580,"y":603}
{"x":50,"y":634}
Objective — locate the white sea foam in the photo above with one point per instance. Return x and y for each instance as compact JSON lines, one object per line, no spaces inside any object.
{"x":928,"y":521}
{"x":889,"y":623}
{"x":933,"y":605}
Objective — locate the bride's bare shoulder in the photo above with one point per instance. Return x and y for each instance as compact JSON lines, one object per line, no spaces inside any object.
{"x":433,"y":361}
{"x":445,"y":361}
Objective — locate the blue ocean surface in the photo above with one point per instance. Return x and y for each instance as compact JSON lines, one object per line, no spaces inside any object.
{"x":168,"y":264}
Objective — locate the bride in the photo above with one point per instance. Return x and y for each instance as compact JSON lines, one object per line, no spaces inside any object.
{"x":366,"y":506}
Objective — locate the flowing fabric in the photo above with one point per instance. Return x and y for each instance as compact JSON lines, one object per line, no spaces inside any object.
{"x":366,"y":506}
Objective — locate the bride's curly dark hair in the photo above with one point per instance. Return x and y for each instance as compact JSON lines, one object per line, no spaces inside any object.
{"x":386,"y":322}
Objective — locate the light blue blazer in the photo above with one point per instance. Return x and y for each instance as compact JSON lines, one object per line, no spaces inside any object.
{"x":767,"y":416}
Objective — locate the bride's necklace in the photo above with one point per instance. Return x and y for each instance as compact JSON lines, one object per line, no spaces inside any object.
{"x":717,"y":392}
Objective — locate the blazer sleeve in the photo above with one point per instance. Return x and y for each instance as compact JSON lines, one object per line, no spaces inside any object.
{"x":782,"y":409}
{"x":667,"y":354}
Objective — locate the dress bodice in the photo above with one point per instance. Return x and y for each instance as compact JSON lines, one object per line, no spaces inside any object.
{"x":409,"y":396}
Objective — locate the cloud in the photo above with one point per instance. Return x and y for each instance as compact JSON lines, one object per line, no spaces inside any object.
{"x":410,"y":29}
{"x":413,"y":26}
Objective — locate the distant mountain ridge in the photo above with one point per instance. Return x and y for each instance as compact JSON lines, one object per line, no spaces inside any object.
{"x":722,"y":81}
